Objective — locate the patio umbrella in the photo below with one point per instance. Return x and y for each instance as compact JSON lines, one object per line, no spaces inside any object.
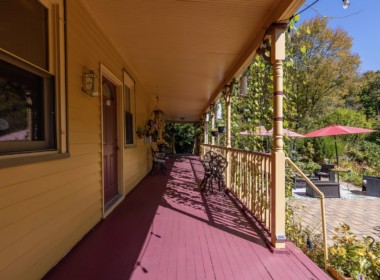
{"x":334,"y":130}
{"x":261,"y":131}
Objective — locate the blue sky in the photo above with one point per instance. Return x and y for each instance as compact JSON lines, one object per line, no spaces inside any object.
{"x":360,"y":21}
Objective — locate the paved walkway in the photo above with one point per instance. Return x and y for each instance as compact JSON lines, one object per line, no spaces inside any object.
{"x":355,"y":208}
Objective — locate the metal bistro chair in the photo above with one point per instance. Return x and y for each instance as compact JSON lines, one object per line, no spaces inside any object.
{"x":159,"y":161}
{"x":214,"y":166}
{"x":221,"y":165}
{"x":208,"y":171}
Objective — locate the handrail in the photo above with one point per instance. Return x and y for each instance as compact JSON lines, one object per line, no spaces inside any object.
{"x":322,"y":198}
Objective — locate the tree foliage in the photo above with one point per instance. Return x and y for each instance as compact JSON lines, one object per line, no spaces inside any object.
{"x":370,"y":94}
{"x":322,"y":86}
{"x":321,"y":71}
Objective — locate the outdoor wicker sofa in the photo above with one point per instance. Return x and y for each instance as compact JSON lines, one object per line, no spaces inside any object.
{"x":371,"y":184}
{"x":328,"y":188}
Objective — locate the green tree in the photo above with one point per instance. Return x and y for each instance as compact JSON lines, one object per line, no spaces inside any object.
{"x":370,"y":94}
{"x":321,"y":71}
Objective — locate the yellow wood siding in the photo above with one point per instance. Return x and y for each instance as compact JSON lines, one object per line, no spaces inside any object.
{"x":47,"y":207}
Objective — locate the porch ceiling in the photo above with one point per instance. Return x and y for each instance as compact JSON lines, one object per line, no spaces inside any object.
{"x":185,"y":51}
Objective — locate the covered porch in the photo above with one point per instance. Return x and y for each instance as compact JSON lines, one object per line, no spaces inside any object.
{"x":112,"y":61}
{"x":167,"y":229}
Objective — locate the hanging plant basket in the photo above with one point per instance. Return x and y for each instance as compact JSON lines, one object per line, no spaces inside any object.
{"x":222,"y":129}
{"x":215,"y":133}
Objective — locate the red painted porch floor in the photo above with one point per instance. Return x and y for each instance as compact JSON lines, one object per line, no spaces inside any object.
{"x":165,"y":229}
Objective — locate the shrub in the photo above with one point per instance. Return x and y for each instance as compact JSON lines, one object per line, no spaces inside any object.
{"x":304,"y":238}
{"x":355,"y":258}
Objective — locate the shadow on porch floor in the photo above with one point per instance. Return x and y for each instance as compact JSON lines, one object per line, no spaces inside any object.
{"x":165,"y":229}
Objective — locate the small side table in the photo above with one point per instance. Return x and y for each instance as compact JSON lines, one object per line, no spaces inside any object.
{"x":339,"y":170}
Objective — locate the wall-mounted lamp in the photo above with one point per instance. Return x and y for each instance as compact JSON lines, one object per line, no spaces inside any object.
{"x":207,"y":117}
{"x":89,"y":83}
{"x":346,"y":4}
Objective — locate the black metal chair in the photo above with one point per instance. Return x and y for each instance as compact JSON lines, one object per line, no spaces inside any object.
{"x":214,"y":165}
{"x":221,"y":165}
{"x":159,"y":161}
{"x":207,"y":166}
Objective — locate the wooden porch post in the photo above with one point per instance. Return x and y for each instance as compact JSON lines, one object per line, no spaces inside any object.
{"x":227,"y":91}
{"x":227,"y":95}
{"x":205,"y":135}
{"x":212,"y":125}
{"x":277,"y":33}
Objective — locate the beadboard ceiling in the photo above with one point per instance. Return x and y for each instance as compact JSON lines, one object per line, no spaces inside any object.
{"x":185,"y":51}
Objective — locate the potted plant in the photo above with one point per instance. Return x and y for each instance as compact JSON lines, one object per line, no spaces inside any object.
{"x":214,"y":132}
{"x":140,"y":132}
{"x":221,"y":126}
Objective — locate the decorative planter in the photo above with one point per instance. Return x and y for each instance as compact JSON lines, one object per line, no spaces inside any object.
{"x":215,"y":133}
{"x":222,"y":129}
{"x":336,"y":275}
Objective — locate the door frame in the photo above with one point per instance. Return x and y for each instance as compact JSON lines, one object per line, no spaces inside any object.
{"x":106,"y":73}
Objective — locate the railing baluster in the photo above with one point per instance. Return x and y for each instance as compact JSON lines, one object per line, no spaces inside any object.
{"x":248,"y":180}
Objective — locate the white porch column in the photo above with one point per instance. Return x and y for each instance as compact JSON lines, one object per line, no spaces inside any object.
{"x":277,"y":33}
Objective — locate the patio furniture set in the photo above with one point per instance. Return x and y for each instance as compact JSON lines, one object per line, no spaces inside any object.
{"x":330,"y":188}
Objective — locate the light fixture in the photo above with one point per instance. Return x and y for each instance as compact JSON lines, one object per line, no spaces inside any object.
{"x":243,"y":84}
{"x":207,"y":117}
{"x":158,"y":113}
{"x":219,"y":111}
{"x":346,"y":4}
{"x":89,"y":83}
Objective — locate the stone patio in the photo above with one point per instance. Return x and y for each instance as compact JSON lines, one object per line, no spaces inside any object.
{"x":355,"y":208}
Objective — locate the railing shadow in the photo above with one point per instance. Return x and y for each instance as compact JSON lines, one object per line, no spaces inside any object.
{"x":115,"y":247}
{"x":217,"y":210}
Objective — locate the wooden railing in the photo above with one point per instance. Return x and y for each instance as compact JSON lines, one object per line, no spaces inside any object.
{"x":322,"y":201}
{"x":248,"y":179}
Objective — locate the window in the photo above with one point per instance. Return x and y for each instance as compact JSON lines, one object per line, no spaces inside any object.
{"x":26,"y":109}
{"x":28,"y":91}
{"x":24,"y":30}
{"x":129,"y":109}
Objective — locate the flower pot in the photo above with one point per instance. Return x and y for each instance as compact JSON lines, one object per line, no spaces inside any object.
{"x":336,"y":275}
{"x":215,"y":133}
{"x":222,"y":129}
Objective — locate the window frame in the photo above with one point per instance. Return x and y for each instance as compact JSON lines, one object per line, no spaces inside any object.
{"x":129,"y":83}
{"x":56,"y":53}
{"x":15,"y":147}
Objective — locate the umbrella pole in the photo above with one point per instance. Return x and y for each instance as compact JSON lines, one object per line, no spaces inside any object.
{"x":337,"y":157}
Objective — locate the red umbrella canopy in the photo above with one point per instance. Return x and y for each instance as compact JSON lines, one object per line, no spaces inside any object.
{"x":337,"y":130}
